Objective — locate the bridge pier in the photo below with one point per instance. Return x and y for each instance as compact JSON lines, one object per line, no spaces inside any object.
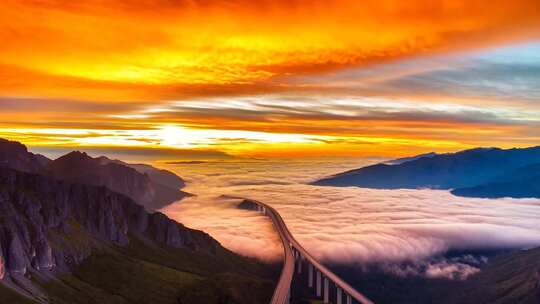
{"x":326,"y":296}
{"x":295,"y":256}
{"x":310,"y":275}
{"x":318,"y":284}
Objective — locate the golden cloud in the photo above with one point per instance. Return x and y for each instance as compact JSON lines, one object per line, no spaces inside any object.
{"x":122,"y":50}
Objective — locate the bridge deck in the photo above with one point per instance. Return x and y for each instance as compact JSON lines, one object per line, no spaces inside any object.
{"x":281,"y":293}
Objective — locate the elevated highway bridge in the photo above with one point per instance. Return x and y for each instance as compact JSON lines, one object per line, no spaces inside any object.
{"x":297,"y":260}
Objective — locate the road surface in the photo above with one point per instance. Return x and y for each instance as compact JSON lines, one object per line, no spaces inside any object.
{"x":290,"y":246}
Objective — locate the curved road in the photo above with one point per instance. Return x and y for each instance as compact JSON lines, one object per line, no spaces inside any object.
{"x":281,"y":293}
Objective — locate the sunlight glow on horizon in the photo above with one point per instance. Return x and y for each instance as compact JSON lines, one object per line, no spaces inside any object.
{"x":236,"y":143}
{"x":271,"y":78}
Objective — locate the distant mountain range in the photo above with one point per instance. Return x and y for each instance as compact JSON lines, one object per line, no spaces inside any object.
{"x":522,"y":182}
{"x":481,"y":172}
{"x":68,"y":238}
{"x":150,"y":187}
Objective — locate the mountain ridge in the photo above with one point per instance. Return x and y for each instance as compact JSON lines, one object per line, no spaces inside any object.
{"x":463,"y":169}
{"x":523,"y":182}
{"x":149,"y":186}
{"x":63,"y":231}
{"x":49,"y":228}
{"x":34,"y":205}
{"x":16,"y":155}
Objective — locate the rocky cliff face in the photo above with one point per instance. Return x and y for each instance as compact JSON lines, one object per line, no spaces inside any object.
{"x":49,"y":225}
{"x":158,"y":176}
{"x":2,"y":267}
{"x":78,"y":167}
{"x":166,"y":184}
{"x":65,"y":228}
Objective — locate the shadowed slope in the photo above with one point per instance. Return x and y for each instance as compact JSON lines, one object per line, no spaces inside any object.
{"x":63,"y":241}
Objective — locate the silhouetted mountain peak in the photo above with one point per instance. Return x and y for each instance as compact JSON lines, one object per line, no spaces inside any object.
{"x":75,"y":156}
{"x":9,"y":146}
{"x":15,"y":155}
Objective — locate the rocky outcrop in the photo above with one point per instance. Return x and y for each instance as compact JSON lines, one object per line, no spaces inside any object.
{"x":247,"y":204}
{"x":47,"y":224}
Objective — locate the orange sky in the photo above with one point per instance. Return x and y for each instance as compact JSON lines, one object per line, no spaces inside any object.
{"x":119,"y":73}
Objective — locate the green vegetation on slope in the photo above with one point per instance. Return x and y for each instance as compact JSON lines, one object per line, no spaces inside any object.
{"x":9,"y":296}
{"x":111,"y":278}
{"x":146,"y":273}
{"x":201,"y":263}
{"x":508,"y":279}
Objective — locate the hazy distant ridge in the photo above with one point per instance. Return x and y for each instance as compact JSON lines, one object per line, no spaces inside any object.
{"x":481,"y":172}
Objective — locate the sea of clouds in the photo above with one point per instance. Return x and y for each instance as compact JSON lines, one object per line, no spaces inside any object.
{"x":407,"y":232}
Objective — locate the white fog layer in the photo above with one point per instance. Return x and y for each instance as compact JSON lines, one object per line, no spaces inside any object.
{"x":349,"y":225}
